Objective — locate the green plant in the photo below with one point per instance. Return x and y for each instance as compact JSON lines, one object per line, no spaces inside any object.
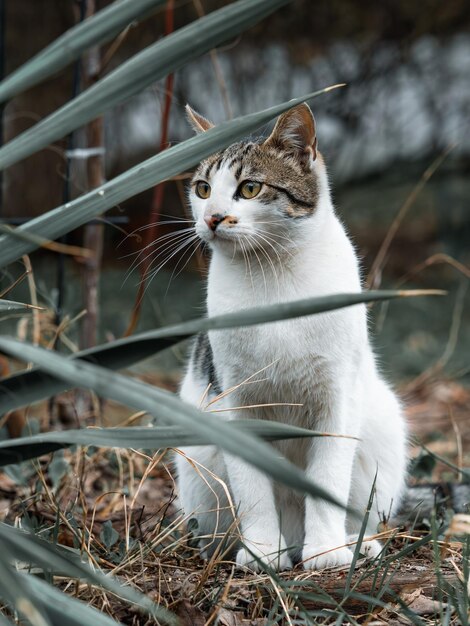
{"x":34,"y":599}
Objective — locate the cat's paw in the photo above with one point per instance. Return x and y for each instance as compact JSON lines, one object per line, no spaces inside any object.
{"x":370,"y":549}
{"x":271,"y":555}
{"x":323,"y":557}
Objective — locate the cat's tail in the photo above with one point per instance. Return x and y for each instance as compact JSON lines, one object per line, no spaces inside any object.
{"x":421,"y":501}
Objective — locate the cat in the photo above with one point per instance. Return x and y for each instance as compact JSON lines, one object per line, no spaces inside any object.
{"x":265,"y":210}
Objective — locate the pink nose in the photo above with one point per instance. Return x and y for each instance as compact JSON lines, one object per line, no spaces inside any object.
{"x":213,"y":220}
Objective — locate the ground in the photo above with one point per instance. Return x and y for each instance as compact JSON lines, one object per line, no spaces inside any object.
{"x":119,"y":507}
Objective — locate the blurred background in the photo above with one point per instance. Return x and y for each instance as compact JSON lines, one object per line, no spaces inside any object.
{"x":395,"y":140}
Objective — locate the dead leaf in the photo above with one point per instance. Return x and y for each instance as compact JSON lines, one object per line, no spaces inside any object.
{"x":230,"y":618}
{"x":426,"y":606}
{"x":190,"y":615}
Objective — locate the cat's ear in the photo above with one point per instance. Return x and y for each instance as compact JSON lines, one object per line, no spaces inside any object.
{"x":199,"y":123}
{"x":295,"y":133}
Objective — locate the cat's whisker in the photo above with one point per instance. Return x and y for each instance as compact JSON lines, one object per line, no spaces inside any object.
{"x":147,"y":226}
{"x":172,"y":217}
{"x":280,"y":264}
{"x":194,"y":243}
{"x":150,"y":275}
{"x":253,"y":249}
{"x":242,"y":241}
{"x":256,"y":237}
{"x":155,"y":242}
{"x":254,"y":246}
{"x":170,"y":237}
{"x":173,"y":247}
{"x":273,"y":245}
{"x":162,"y":223}
{"x":248,"y":263}
{"x":266,"y":240}
{"x":273,"y":234}
{"x":273,"y":267}
{"x":189,"y":248}
{"x":175,"y":240}
{"x":269,"y":222}
{"x":269,"y":237}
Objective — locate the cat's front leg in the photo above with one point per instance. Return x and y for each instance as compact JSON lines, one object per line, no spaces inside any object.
{"x":261,"y":534}
{"x":329,"y":466}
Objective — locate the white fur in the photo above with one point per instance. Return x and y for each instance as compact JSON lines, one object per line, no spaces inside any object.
{"x":324,"y":362}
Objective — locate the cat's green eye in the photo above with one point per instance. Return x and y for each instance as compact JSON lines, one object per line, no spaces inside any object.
{"x":250,"y":189}
{"x":203,"y":189}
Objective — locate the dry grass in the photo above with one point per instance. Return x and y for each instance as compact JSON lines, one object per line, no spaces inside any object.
{"x":118,"y":508}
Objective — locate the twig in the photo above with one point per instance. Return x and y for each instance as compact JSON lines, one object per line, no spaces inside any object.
{"x":217,"y":69}
{"x":93,"y":235}
{"x":34,"y":300}
{"x":458,"y":443}
{"x":373,"y":278}
{"x":435,"y":259}
{"x":114,"y":47}
{"x":159,"y":190}
{"x":13,"y":285}
{"x":442,"y":361}
{"x":53,"y":246}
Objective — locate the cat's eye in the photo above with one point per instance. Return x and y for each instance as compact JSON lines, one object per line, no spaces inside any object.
{"x":203,"y":189}
{"x":250,"y":189}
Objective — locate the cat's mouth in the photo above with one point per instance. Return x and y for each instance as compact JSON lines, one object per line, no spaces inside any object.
{"x":222,"y":233}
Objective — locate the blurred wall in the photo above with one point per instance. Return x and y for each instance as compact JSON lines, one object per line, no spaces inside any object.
{"x":34,"y":185}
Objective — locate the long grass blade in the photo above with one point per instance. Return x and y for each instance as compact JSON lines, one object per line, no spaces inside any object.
{"x":14,"y":591}
{"x":28,"y":387}
{"x":360,"y":537}
{"x":141,"y":71}
{"x":28,"y":548}
{"x":4,"y":621}
{"x":60,"y":608}
{"x":147,"y":174}
{"x":97,"y":29}
{"x":18,"y":450}
{"x":169,"y":409}
{"x":6,"y":306}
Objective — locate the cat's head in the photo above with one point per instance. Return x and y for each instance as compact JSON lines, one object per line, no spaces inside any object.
{"x":258,"y":194}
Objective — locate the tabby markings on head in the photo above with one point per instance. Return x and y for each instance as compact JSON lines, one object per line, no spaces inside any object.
{"x":285,"y":179}
{"x":283,"y":162}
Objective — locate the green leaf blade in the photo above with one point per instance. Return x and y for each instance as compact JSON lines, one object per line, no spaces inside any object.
{"x":154,"y":438}
{"x":29,"y":387}
{"x":139,"y":72}
{"x":8,"y":306}
{"x":169,"y":409}
{"x":61,"y":608}
{"x":143,"y":176}
{"x":97,"y":29}
{"x":26,"y":547}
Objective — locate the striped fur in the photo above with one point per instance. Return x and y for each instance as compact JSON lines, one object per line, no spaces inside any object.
{"x":290,"y":187}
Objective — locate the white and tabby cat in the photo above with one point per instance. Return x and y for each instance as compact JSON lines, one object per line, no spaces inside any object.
{"x":265,"y":210}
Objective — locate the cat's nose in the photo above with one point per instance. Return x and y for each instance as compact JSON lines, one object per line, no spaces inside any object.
{"x":214,"y":219}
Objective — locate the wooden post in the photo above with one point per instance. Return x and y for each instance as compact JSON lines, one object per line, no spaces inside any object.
{"x":93,"y":236}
